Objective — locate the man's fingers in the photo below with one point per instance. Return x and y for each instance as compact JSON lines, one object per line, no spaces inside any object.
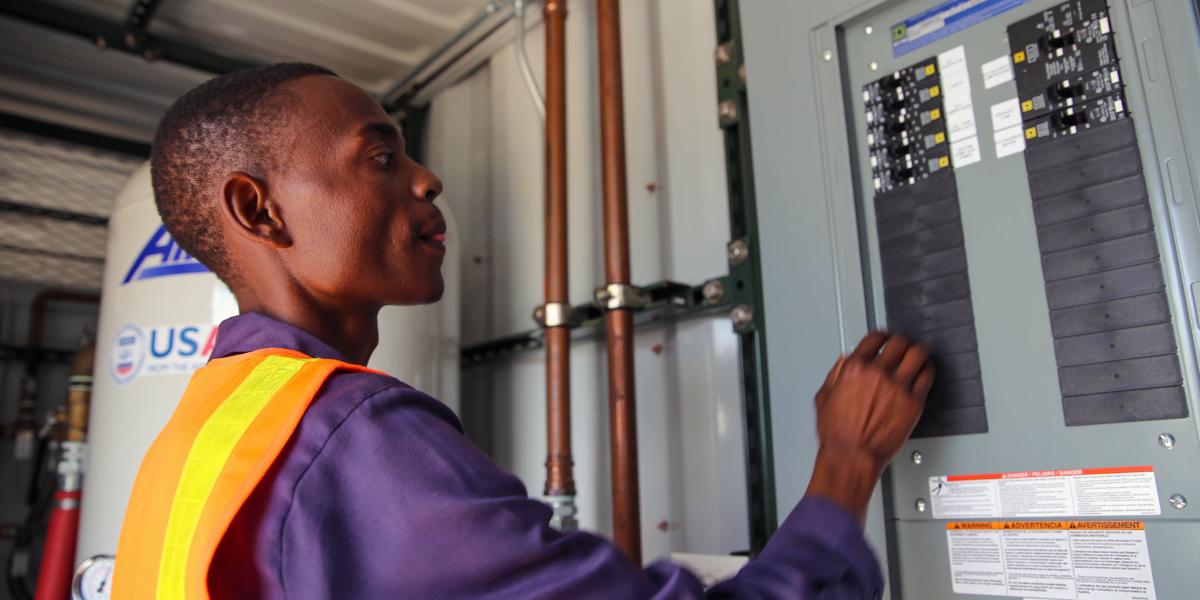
{"x":911,"y":364}
{"x":831,"y":379}
{"x":893,"y":351}
{"x":923,"y":382}
{"x":869,"y":346}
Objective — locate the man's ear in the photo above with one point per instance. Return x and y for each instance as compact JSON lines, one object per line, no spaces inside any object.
{"x":252,"y":212}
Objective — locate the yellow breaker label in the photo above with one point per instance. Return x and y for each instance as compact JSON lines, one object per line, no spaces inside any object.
{"x":1068,"y":560}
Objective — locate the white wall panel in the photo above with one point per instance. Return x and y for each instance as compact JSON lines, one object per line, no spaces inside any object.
{"x":485,"y":141}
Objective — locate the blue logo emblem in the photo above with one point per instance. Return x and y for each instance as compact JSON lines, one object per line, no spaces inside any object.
{"x":162,"y":257}
{"x":129,"y":354}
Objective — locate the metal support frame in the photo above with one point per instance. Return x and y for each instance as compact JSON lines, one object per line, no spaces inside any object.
{"x":412,"y":83}
{"x":668,"y":301}
{"x":11,"y":206}
{"x":130,"y":36}
{"x":745,"y":272}
{"x":74,"y":136}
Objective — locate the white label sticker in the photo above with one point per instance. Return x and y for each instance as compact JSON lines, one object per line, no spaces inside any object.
{"x":961,"y":124}
{"x":965,"y":152}
{"x":1066,"y":560}
{"x":956,"y":79}
{"x":1006,"y":114}
{"x":1010,"y":141}
{"x":1061,"y":493}
{"x":996,"y":72}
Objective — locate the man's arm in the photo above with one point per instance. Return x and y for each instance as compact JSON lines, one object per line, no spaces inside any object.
{"x":866,"y":409}
{"x":399,"y":504}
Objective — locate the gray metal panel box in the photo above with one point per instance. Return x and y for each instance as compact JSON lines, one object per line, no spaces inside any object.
{"x":1081,"y":281}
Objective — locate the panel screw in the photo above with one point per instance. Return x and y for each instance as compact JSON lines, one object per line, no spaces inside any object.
{"x":921,"y":505}
{"x":714,"y":291}
{"x":742,"y":73}
{"x":827,"y":55}
{"x":1166,"y":440}
{"x":741,"y":315}
{"x":869,"y":30}
{"x":727,"y":110}
{"x":737,"y":252}
{"x":874,"y":66}
{"x":1178,"y":502}
{"x":724,"y":53}
{"x":917,"y":457}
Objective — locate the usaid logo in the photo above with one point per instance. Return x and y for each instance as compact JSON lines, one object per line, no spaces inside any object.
{"x":164,"y":350}
{"x":162,"y":257}
{"x":129,"y":354}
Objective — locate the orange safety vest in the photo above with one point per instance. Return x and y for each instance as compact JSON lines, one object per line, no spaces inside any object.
{"x":233,"y":421}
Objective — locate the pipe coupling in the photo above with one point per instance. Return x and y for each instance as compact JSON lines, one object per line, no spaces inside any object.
{"x":616,"y":296}
{"x":564,"y":509}
{"x":553,"y":314}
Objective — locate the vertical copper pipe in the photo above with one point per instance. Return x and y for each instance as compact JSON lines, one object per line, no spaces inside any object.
{"x":559,"y":478}
{"x":619,"y":323}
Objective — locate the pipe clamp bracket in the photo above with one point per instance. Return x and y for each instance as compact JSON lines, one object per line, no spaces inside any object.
{"x":553,"y":314}
{"x":616,"y":296}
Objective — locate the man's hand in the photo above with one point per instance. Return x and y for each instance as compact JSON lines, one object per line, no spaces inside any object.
{"x":866,"y":409}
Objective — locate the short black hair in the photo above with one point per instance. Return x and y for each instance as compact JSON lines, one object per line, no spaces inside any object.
{"x":226,"y":124}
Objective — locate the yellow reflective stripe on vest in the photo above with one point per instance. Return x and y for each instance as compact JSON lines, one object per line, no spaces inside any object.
{"x":205,"y":460}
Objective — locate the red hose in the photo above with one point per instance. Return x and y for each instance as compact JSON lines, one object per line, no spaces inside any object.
{"x":58,"y":558}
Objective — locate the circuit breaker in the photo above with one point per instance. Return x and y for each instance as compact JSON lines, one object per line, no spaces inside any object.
{"x":1024,"y":204}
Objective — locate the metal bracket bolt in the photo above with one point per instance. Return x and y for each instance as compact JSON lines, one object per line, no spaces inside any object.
{"x":921,"y":504}
{"x":616,"y":296}
{"x":552,"y":314}
{"x":724,"y":54}
{"x":727,"y":111}
{"x":737,"y":252}
{"x":917,"y":457}
{"x":1166,"y":440}
{"x":1178,"y":502}
{"x":742,"y":316}
{"x":713,"y":291}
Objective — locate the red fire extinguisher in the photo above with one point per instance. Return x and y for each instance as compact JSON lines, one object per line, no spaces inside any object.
{"x":58,"y":556}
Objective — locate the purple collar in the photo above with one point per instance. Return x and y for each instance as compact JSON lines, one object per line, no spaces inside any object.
{"x":253,"y":331}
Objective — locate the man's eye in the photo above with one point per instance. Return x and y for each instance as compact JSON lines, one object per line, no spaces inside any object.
{"x":384,"y":158}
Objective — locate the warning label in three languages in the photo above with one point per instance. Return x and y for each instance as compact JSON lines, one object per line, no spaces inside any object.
{"x":1076,"y":560}
{"x":1112,"y":491}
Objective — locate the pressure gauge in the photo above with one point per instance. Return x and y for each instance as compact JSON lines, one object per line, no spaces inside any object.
{"x":93,"y":579}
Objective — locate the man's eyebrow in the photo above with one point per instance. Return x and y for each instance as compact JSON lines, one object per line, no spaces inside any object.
{"x":383,"y":130}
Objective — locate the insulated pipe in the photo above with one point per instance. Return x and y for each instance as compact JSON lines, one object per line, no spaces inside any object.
{"x":560,"y":482}
{"x":618,"y":321}
{"x":539,"y":101}
{"x":58,"y":554}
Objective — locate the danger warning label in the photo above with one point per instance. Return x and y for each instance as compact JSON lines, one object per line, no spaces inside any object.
{"x":1094,"y":560}
{"x":1104,"y":492}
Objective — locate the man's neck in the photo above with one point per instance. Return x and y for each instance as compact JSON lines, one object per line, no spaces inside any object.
{"x":354,"y":333}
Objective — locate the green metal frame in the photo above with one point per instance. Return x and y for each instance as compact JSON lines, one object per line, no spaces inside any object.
{"x":669,"y":301}
{"x":747,"y":275}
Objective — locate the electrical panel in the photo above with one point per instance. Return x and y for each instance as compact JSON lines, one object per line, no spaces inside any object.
{"x":927,"y":291}
{"x":1023,"y":205}
{"x":1113,"y":336}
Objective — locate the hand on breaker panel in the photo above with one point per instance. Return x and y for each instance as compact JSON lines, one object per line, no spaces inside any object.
{"x":866,"y":409}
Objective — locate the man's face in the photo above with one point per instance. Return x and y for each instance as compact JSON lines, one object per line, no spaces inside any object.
{"x":360,"y":212}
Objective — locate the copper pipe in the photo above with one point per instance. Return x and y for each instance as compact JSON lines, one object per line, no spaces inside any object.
{"x":618,"y":322}
{"x":560,"y":482}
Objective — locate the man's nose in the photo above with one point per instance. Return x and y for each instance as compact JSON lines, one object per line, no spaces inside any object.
{"x":425,"y":184}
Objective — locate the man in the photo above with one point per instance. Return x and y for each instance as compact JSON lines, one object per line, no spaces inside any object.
{"x":289,"y":471}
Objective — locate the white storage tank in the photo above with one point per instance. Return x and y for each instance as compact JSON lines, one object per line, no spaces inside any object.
{"x":158,"y":316}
